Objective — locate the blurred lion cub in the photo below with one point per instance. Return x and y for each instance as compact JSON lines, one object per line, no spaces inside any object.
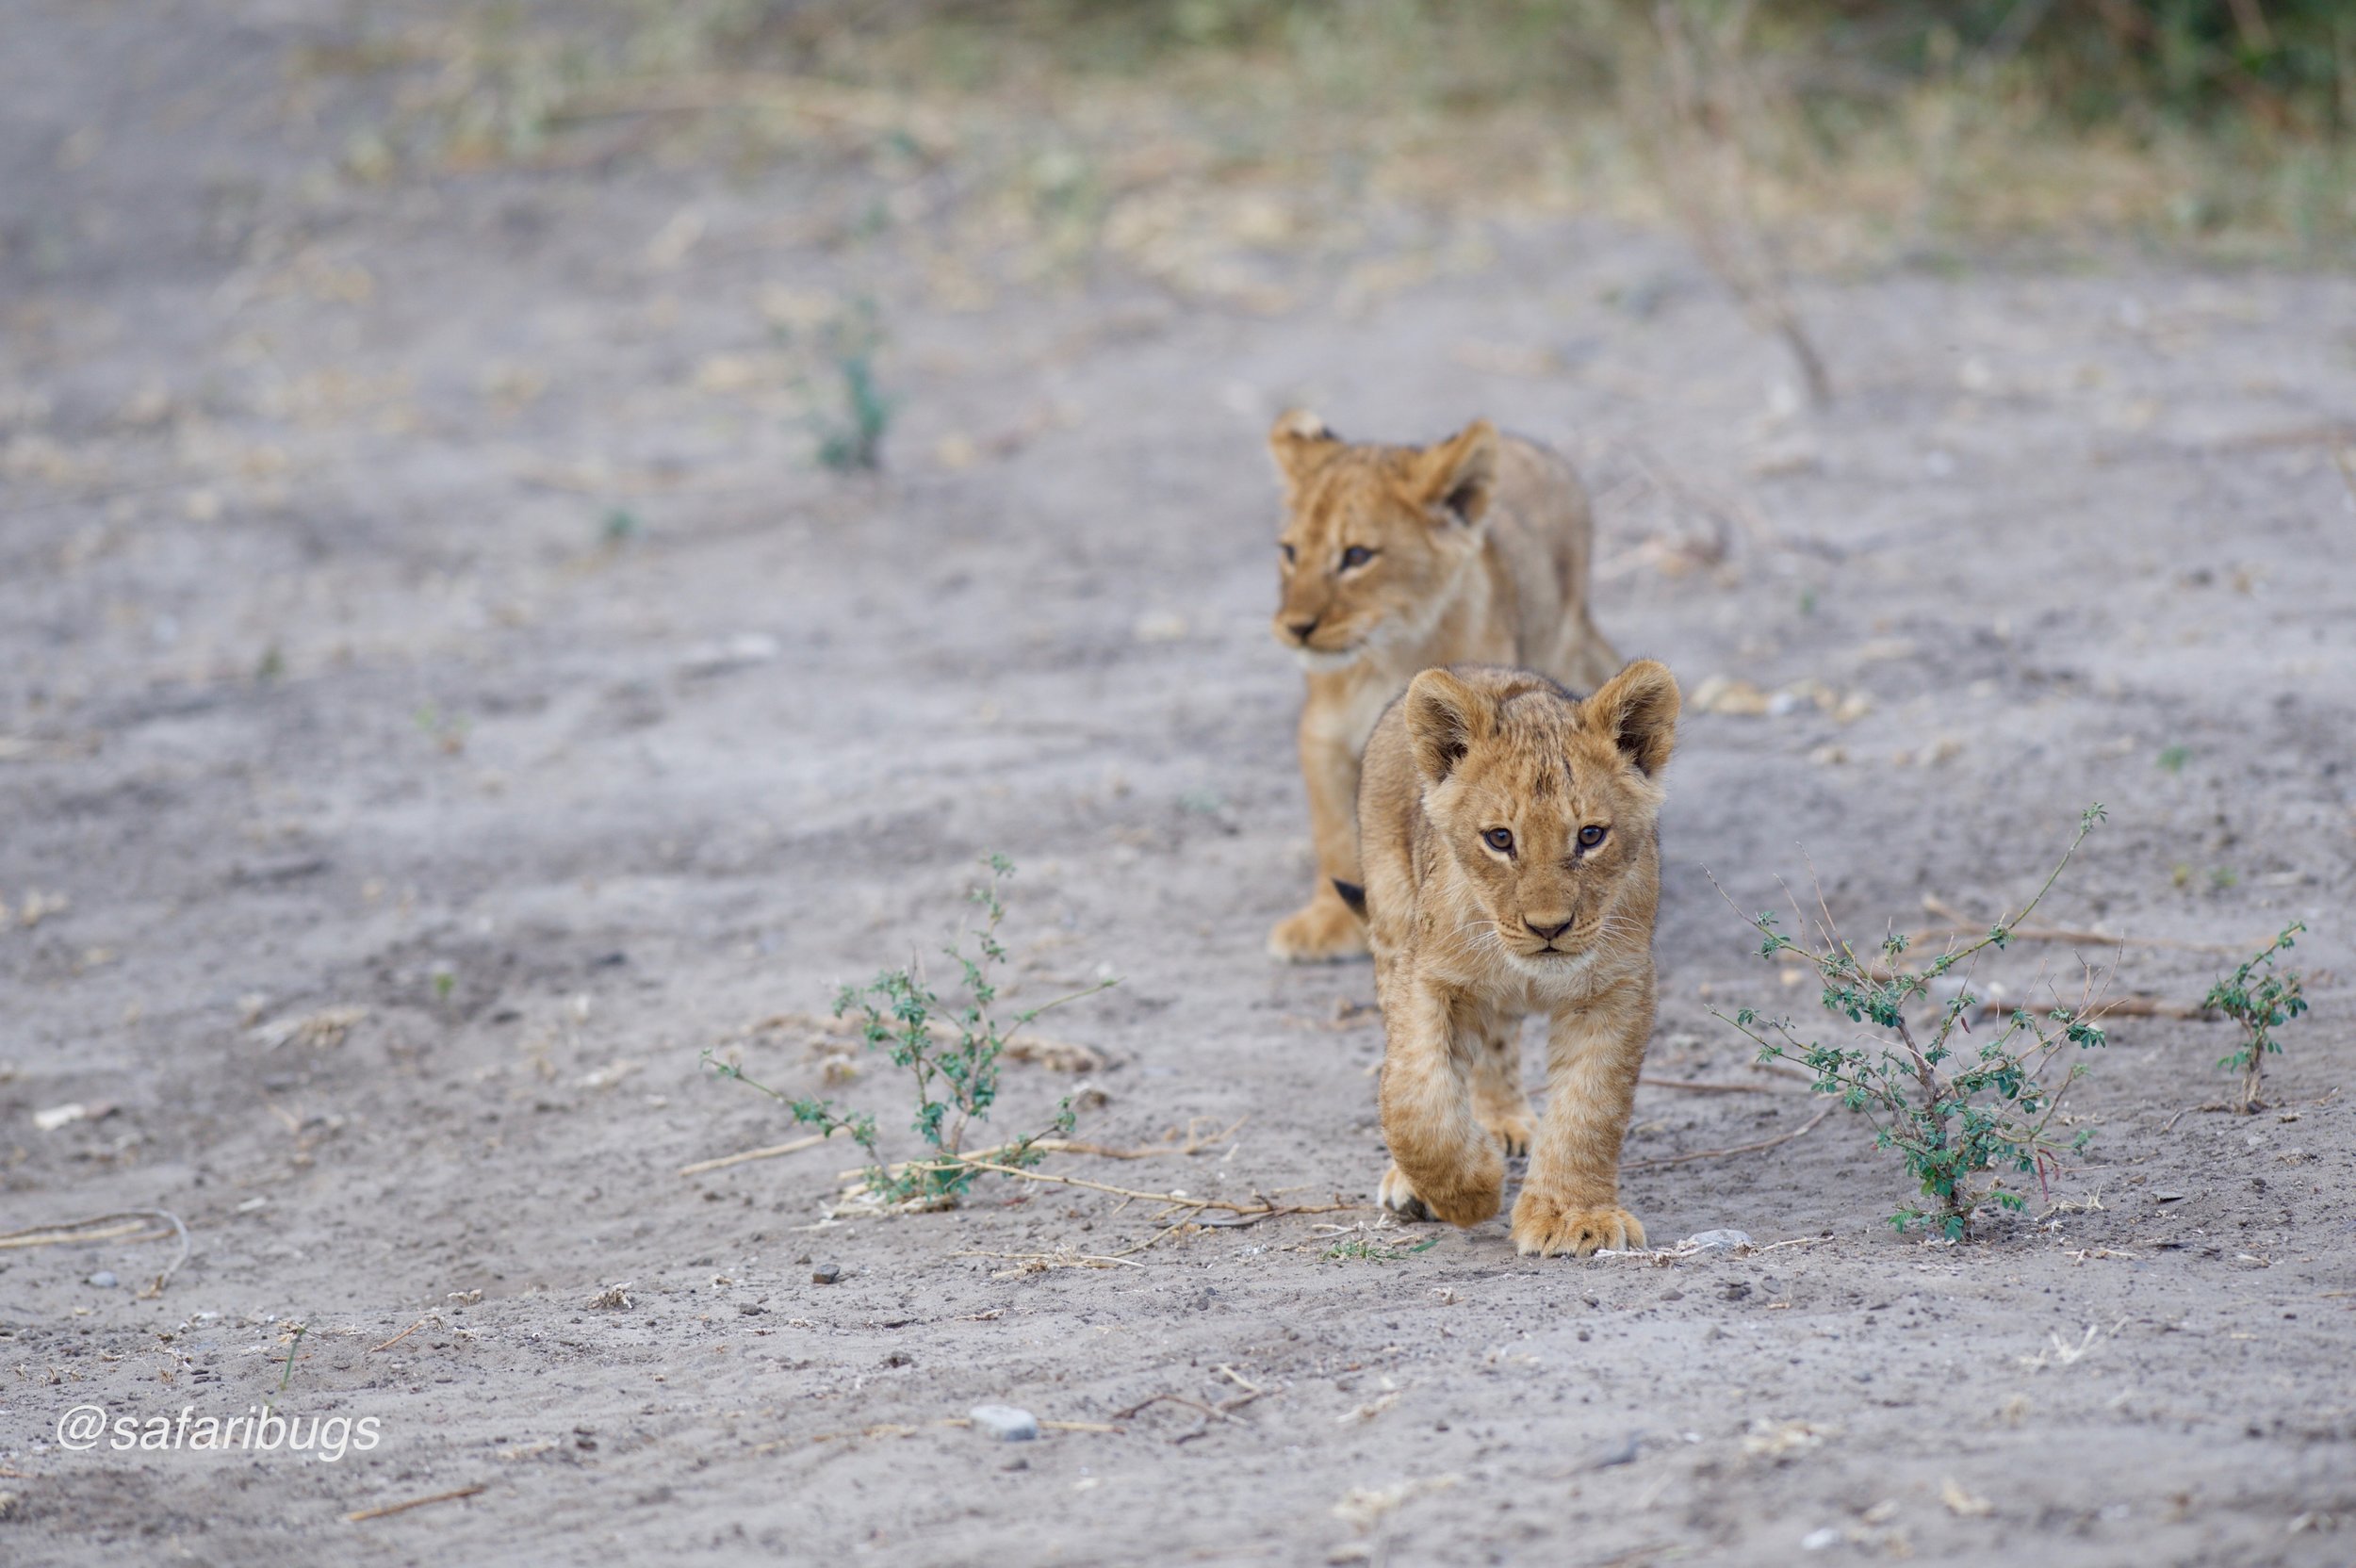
{"x":1513,"y":867}
{"x":1396,"y":559}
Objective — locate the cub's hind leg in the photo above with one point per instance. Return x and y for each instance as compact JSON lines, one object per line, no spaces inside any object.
{"x":1500,"y":1102}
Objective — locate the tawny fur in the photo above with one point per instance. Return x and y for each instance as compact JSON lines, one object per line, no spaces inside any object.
{"x":1482,"y":907}
{"x":1479,"y":551}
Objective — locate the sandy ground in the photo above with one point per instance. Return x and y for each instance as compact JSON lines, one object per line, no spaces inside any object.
{"x":322,"y":686}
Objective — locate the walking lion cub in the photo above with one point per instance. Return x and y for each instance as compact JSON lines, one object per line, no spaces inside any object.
{"x":1396,"y":559}
{"x":1513,"y":866}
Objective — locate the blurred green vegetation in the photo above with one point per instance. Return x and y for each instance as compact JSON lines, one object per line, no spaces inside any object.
{"x":1891,"y":126}
{"x":2221,"y":66}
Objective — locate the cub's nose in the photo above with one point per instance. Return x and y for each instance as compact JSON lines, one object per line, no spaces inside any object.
{"x":1300,"y":630}
{"x":1544,"y":933}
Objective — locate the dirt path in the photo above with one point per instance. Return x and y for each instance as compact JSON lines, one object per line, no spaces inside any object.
{"x":420,"y":600}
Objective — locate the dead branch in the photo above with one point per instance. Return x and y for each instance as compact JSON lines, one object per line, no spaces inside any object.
{"x":1963,"y":927}
{"x":1708,"y":180}
{"x":1759,"y":1147}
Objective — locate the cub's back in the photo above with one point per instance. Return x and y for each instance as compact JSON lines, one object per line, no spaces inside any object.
{"x":1541,"y":542}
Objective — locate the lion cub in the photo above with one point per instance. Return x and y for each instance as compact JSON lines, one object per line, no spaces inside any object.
{"x":1396,"y":559}
{"x":1513,"y":866}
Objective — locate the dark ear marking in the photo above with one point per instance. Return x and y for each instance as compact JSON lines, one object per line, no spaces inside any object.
{"x":1445,"y":717}
{"x":1637,"y":710}
{"x":1457,"y":474}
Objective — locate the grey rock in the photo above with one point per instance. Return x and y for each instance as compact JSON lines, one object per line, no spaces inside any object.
{"x":1005,"y":1423}
{"x":1624,"y":1453}
{"x":826,"y":1274}
{"x":1719,"y":1241}
{"x":103,"y":1279}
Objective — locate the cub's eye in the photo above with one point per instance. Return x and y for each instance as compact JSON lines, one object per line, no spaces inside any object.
{"x":1357,"y":555}
{"x":1500,"y":838}
{"x":1288,"y":553}
{"x":1590,"y":836}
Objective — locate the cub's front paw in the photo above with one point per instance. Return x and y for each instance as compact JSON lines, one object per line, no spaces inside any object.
{"x":1468,"y":1200}
{"x":1320,"y":932}
{"x":1545,"y":1226}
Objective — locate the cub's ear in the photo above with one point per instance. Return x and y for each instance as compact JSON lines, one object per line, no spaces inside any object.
{"x":1446,"y":718}
{"x":1457,"y":474}
{"x":1300,"y":443}
{"x":1637,"y":711}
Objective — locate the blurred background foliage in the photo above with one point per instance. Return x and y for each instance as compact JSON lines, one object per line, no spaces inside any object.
{"x":1865,"y":130}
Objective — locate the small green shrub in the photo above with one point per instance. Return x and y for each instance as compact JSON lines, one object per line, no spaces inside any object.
{"x":951,"y":1052}
{"x":2260,"y":1001}
{"x":1965,"y":1115}
{"x":856,"y":442}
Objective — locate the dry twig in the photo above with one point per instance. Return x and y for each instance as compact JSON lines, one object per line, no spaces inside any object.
{"x":793,"y":1146}
{"x":1759,"y":1147}
{"x":449,"y":1496}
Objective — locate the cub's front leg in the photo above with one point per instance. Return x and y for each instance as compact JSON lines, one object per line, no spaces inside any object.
{"x":1444,"y":1163}
{"x":1326,"y":928}
{"x":1571,"y":1202}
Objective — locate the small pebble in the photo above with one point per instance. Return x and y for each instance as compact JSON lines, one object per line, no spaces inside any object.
{"x":2167,"y":1198}
{"x":103,"y":1279}
{"x":826,"y":1274}
{"x":1719,"y":1241}
{"x":1005,"y":1423}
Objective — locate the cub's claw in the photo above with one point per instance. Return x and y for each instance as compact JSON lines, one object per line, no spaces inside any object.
{"x":1545,"y":1226}
{"x":1399,"y":1198}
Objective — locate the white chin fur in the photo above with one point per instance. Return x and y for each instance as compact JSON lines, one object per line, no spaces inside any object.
{"x":1321,"y":662}
{"x":1556,"y":971}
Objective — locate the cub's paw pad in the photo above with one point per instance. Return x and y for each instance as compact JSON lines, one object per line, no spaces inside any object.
{"x":1321,"y":933}
{"x":1399,"y":1198}
{"x":1545,"y":1226}
{"x":1513,"y":1129}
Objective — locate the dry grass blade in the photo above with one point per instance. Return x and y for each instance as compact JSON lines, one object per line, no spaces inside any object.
{"x":404,"y":1335}
{"x":81,"y":1230}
